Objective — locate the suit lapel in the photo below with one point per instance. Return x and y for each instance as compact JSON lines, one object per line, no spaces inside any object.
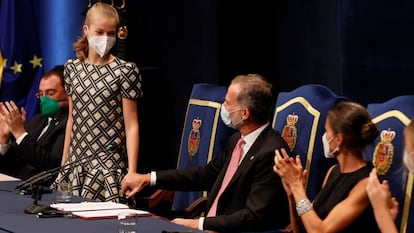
{"x":249,"y":158}
{"x":244,"y":165}
{"x":37,"y":128}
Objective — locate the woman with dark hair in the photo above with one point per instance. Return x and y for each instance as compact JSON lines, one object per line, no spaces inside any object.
{"x":342,"y":205}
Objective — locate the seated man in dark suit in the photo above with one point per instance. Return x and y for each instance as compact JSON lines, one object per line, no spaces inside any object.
{"x":251,"y":199}
{"x":27,"y":149}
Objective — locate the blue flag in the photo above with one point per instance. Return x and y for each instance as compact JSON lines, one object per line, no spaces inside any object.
{"x":20,"y":58}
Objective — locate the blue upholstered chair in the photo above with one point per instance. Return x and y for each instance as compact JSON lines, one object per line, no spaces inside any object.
{"x":300,"y":117}
{"x":386,"y":154}
{"x":204,"y":135}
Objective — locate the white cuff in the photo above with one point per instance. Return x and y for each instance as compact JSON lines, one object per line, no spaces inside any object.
{"x":153,"y":178}
{"x":4,"y":148}
{"x":201,"y":223}
{"x":20,"y":139}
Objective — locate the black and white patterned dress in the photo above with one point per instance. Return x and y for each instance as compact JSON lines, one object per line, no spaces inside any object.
{"x":98,"y":133}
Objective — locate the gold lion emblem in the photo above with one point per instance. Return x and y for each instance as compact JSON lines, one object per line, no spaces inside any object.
{"x":194,"y":137}
{"x":289,"y":132}
{"x":384,"y":152}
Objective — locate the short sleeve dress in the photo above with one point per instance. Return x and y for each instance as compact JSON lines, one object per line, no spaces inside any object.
{"x":97,"y":159}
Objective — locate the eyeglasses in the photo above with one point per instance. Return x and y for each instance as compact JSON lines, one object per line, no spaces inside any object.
{"x":48,"y":93}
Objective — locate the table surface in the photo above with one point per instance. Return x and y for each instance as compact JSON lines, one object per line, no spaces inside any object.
{"x":13,"y":218}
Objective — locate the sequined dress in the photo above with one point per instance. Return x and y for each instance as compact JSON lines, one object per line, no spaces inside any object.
{"x":97,"y":159}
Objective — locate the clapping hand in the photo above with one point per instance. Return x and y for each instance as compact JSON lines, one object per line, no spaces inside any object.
{"x":289,"y":169}
{"x":11,"y":120}
{"x":380,"y":195}
{"x":4,"y":128}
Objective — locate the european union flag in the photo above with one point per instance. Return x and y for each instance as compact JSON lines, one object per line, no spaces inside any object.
{"x":20,"y":58}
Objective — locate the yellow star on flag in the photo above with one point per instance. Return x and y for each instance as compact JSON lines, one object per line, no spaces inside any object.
{"x":17,"y":68}
{"x":36,"y":61}
{"x":3,"y":62}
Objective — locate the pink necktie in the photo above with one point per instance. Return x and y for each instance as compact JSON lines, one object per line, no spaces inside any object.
{"x":231,"y":169}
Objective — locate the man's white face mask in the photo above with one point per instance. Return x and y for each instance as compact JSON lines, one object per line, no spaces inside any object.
{"x":226,"y":118}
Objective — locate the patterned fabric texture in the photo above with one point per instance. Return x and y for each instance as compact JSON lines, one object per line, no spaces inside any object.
{"x":97,"y":159}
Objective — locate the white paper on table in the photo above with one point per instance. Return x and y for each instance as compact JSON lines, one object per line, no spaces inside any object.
{"x":101,"y":214}
{"x":97,"y":210}
{"x":4,"y":177}
{"x":86,"y":206}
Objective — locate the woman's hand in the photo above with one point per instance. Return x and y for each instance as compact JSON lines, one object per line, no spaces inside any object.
{"x":290,"y":170}
{"x":380,"y":195}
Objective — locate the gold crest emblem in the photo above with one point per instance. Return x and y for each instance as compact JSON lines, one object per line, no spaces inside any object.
{"x":289,"y":132}
{"x":194,"y":137}
{"x":384,"y":152}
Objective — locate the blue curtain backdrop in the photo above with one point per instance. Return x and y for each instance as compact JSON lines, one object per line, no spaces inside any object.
{"x":60,"y":24}
{"x":35,"y":35}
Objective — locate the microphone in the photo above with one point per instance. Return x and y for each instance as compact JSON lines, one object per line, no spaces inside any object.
{"x":38,"y":178}
{"x":36,"y":182}
{"x":29,"y":181}
{"x":43,"y":176}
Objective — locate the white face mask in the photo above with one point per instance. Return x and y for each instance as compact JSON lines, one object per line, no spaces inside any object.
{"x":226,"y":118}
{"x":408,"y":161}
{"x":328,"y":154}
{"x":101,"y":44}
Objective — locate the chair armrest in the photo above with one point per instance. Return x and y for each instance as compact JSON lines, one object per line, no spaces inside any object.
{"x":197,"y":208}
{"x":160,"y":196}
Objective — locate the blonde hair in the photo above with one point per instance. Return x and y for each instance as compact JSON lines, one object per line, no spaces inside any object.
{"x":99,"y":8}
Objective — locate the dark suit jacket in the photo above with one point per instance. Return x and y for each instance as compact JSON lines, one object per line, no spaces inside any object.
{"x":32,"y":156}
{"x":254,"y":200}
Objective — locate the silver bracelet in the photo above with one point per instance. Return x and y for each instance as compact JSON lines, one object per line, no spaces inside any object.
{"x":303,"y":206}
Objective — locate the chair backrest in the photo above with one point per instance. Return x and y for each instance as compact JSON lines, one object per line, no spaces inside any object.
{"x":386,"y":154}
{"x":204,"y":134}
{"x":300,"y":117}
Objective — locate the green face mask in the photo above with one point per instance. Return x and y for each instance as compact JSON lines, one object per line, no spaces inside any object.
{"x":48,"y":106}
